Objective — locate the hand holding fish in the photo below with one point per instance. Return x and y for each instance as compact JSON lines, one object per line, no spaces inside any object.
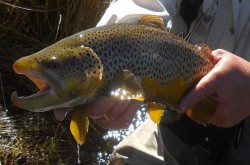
{"x":139,"y":61}
{"x":107,"y":112}
{"x":111,"y":113}
{"x":229,"y":80}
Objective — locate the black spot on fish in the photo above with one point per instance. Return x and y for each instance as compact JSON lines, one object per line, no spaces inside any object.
{"x":72,"y":63}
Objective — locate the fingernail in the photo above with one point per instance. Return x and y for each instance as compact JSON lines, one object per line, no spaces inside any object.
{"x":217,"y":54}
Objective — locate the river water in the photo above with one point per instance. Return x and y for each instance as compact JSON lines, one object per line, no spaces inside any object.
{"x":31,"y":138}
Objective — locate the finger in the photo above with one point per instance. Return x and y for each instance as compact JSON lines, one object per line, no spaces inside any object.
{"x":229,"y":115}
{"x":122,"y":121}
{"x":117,"y":109}
{"x":205,"y":87}
{"x":100,"y":106}
{"x":126,"y":118}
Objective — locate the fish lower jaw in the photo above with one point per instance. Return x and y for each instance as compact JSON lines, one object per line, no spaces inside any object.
{"x":45,"y":100}
{"x":37,"y":102}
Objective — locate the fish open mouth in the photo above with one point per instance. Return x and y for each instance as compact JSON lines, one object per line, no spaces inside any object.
{"x":25,"y":67}
{"x":41,"y":84}
{"x":49,"y":85}
{"x":40,"y":101}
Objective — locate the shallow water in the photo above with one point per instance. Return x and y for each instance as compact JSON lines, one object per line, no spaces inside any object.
{"x":30,"y":138}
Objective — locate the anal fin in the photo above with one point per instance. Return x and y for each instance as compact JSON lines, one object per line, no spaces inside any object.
{"x":202,"y":111}
{"x":155,"y":111}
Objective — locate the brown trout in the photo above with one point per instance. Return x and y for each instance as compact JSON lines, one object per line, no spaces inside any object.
{"x":140,"y":61}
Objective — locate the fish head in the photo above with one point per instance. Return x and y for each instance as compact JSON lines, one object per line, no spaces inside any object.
{"x":66,"y":73}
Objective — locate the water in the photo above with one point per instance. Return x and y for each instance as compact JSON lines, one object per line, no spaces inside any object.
{"x":78,"y":154}
{"x":28,"y":138}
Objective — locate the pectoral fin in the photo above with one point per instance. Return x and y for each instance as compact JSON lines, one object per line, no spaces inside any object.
{"x":79,"y":125}
{"x":126,"y":86}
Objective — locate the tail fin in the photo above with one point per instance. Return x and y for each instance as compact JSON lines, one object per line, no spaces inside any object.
{"x":206,"y":51}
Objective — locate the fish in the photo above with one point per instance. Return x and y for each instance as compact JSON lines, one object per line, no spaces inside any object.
{"x":139,"y":60}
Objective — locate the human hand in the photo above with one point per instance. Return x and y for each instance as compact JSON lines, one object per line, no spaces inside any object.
{"x":107,"y":112}
{"x":112,"y":113}
{"x":230,"y":81}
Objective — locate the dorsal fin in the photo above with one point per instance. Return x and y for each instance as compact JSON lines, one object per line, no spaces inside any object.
{"x":181,"y":35}
{"x":152,"y":20}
